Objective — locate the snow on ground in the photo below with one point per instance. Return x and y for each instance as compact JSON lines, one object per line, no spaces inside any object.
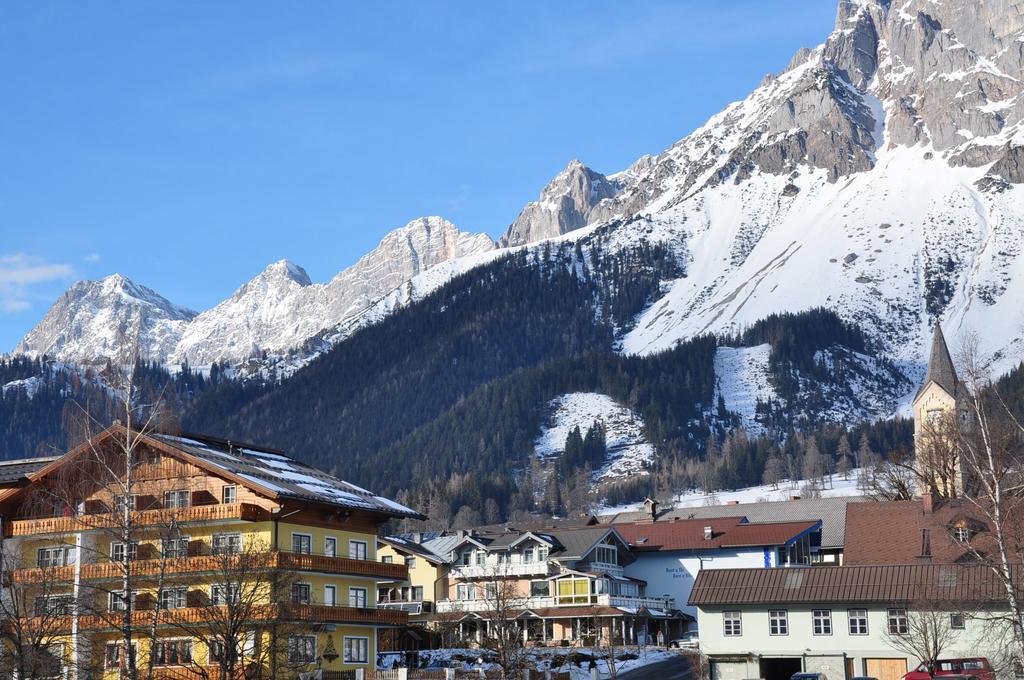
{"x":835,"y":485}
{"x":628,"y":449}
{"x":742,"y":379}
{"x":541,"y":658}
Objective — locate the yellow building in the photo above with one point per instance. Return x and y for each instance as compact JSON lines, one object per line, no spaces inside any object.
{"x":211,"y":558}
{"x":427,"y":582}
{"x":939,"y":407}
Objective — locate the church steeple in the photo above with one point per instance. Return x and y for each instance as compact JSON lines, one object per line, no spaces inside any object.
{"x":940,"y":365}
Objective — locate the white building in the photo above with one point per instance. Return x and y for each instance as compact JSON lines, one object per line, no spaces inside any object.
{"x":670,"y":553}
{"x":839,"y":621}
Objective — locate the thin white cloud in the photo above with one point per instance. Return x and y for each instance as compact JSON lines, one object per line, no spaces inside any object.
{"x":91,"y":258}
{"x":19,"y":273}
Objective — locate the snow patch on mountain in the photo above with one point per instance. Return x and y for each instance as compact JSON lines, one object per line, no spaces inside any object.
{"x":742,"y":379}
{"x":629,"y":452}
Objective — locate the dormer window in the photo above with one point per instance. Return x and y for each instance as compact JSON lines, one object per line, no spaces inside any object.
{"x":606,"y":554}
{"x":961,"y":534}
{"x":481,"y":558}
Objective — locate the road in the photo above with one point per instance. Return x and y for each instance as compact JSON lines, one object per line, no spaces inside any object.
{"x":677,"y":668}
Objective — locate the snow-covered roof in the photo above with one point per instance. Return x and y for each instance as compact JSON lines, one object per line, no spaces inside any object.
{"x":282,"y":475}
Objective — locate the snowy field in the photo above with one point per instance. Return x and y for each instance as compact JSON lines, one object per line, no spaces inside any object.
{"x":574,"y":660}
{"x":741,"y":379}
{"x":835,"y":485}
{"x":628,"y":451}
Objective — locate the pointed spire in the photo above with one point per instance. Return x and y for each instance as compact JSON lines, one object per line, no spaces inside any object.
{"x":940,"y":365}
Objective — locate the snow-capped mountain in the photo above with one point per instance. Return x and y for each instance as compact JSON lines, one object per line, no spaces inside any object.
{"x":279,"y":309}
{"x":111,"y":318}
{"x":879,"y":175}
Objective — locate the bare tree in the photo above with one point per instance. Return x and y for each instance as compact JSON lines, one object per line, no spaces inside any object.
{"x":937,"y":456}
{"x":991,"y":441}
{"x":844,"y":457}
{"x":504,"y":632}
{"x":924,"y":634}
{"x":774,"y":471}
{"x":891,"y":480}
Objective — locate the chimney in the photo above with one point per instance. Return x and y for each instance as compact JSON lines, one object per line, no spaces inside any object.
{"x":927,"y":503}
{"x":708,"y":534}
{"x":926,"y":545}
{"x":417,"y":537}
{"x":651,"y":506}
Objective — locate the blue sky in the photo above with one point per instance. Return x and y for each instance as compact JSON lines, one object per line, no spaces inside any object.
{"x":187,"y":145}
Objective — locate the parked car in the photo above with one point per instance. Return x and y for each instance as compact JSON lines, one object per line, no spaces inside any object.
{"x":688,"y":640}
{"x":808,"y":676}
{"x":863,"y":677}
{"x":947,"y":668}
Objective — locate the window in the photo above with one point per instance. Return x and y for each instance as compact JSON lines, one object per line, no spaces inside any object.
{"x":733,"y":624}
{"x":173,"y":598}
{"x":227,"y":544}
{"x":119,"y":554}
{"x":542,"y":554}
{"x":405,"y":593}
{"x":116,"y":601}
{"x":957,"y":621}
{"x":330,"y":595}
{"x":56,"y":556}
{"x":121,"y":501}
{"x":174,"y":547}
{"x":177,"y":499}
{"x":112,"y":655}
{"x":417,"y":593}
{"x":357,"y":597}
{"x":528,"y":555}
{"x":858,"y":621}
{"x":606,"y":554}
{"x":331,"y":546}
{"x":481,"y":558}
{"x":301,"y":593}
{"x":778,"y":622}
{"x":540,"y":589}
{"x":961,"y":534}
{"x":357,"y":650}
{"x":229,"y":495}
{"x":54,"y":605}
{"x":302,"y":544}
{"x":821,"y":621}
{"x":217,"y":650}
{"x":410,"y":562}
{"x":173,"y":652}
{"x":301,"y":649}
{"x":357,"y":550}
{"x":491,"y":591}
{"x":465,"y":591}
{"x":225,"y":593}
{"x":898,"y":624}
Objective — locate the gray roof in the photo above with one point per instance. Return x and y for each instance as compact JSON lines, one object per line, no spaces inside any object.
{"x":281,"y":474}
{"x":941,"y":370}
{"x":413,"y":548}
{"x":567,"y":544}
{"x":13,"y":471}
{"x":830,"y":511}
{"x":575,"y":543}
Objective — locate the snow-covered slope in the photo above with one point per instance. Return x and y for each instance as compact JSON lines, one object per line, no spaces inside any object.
{"x":111,"y":318}
{"x":629,"y":452}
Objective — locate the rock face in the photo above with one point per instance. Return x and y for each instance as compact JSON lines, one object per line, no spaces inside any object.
{"x":111,"y":318}
{"x":276,"y":311}
{"x":573,"y":199}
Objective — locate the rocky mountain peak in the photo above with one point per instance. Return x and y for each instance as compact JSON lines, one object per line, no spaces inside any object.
{"x":286,"y":270}
{"x":573,"y":199}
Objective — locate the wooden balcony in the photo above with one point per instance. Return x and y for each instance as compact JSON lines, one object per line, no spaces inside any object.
{"x":196,"y":616}
{"x":183,"y":516}
{"x":200,"y":564}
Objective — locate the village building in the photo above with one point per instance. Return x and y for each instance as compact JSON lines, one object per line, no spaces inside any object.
{"x":198,"y":527}
{"x":670,"y":553}
{"x":565,"y":586}
{"x":838,"y":621}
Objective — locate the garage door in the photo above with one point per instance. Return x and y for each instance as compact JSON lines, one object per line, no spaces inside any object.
{"x":886,"y":669}
{"x":728,"y":670}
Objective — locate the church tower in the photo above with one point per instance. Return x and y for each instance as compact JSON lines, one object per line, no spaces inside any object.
{"x":939,"y":408}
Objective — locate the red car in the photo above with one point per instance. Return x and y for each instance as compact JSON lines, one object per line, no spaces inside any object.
{"x":978,"y":667}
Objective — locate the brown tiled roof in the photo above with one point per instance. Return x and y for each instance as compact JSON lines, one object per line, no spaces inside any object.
{"x":888,"y":584}
{"x":726,"y":532}
{"x":901,"y":532}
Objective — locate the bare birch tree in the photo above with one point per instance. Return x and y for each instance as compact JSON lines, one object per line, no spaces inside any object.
{"x":927,"y":633}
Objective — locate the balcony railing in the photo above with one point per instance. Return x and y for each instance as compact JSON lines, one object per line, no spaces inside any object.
{"x":317,"y":613}
{"x":218,"y":563}
{"x":88,"y":522}
{"x":412,"y":607}
{"x":500,"y":570}
{"x":481,"y":605}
